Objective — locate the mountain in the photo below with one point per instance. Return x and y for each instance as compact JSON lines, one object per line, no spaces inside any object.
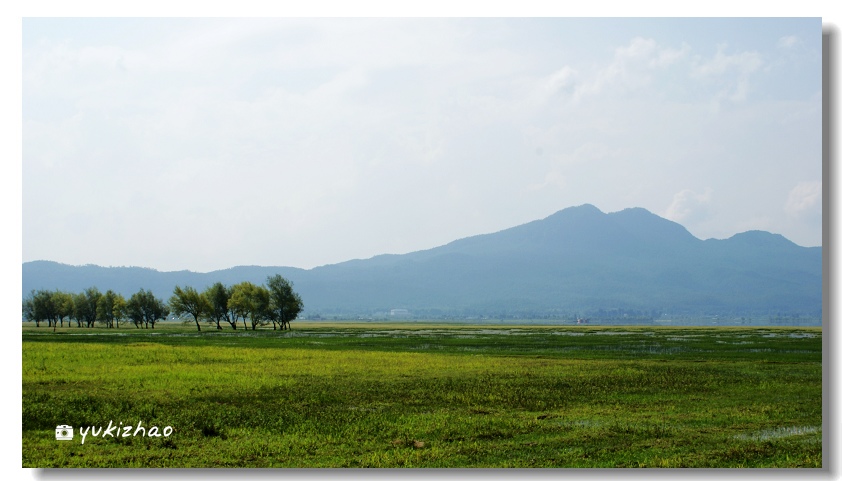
{"x":576,"y":261}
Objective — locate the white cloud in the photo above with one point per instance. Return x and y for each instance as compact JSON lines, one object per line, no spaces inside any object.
{"x":804,"y":199}
{"x":553,"y":179}
{"x":668,"y":56}
{"x":688,"y":206}
{"x":788,"y":41}
{"x":562,"y":80}
{"x":731,"y":73}
{"x":588,"y":157}
{"x":632,"y":67}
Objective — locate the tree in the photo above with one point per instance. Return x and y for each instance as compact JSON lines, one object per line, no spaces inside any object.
{"x":134,"y":311}
{"x":143,"y":308}
{"x":42,"y":307}
{"x":111,"y":308}
{"x":118,"y":308}
{"x":28,"y":309}
{"x":238,"y":301}
{"x":189,"y":301}
{"x":156,"y":310}
{"x":45,"y":305}
{"x":250,"y":301}
{"x":50,"y":306}
{"x":218,"y":296}
{"x":285,"y":304}
{"x":63,"y":303}
{"x":85,"y":306}
{"x":30,"y":312}
{"x":79,"y":308}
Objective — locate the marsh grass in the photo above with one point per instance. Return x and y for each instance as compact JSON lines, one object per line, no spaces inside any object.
{"x":428,"y":396}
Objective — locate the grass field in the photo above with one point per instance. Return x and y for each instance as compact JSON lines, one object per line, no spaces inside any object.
{"x":426,"y":395}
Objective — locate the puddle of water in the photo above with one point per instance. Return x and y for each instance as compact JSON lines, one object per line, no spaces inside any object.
{"x":101,"y":333}
{"x":777,"y":433}
{"x":622,"y":333}
{"x":794,"y":335}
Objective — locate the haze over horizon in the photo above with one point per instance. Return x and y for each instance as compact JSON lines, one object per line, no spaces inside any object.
{"x":578,"y":259}
{"x":482,"y":234}
{"x":203,"y":144}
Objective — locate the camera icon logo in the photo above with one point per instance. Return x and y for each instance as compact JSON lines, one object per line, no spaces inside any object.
{"x":64,"y":432}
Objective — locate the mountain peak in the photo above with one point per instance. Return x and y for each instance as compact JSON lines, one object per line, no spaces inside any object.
{"x":578,"y":210}
{"x":759,"y":238}
{"x":645,"y":224}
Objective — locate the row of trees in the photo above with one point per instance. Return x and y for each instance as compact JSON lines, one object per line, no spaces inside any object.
{"x":91,"y":306}
{"x":276,"y":303}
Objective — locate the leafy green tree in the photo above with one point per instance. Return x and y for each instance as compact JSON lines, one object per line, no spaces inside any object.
{"x":50,"y":306}
{"x":111,"y":308}
{"x":118,"y":308}
{"x":240,"y":300}
{"x":28,"y":309}
{"x":84,"y":306}
{"x":30,"y":312}
{"x":285,"y":304}
{"x":134,"y":311}
{"x":218,"y":296}
{"x":43,"y":307}
{"x":156,"y":310}
{"x":250,"y":301}
{"x":79,"y":305}
{"x":46,"y":303}
{"x":143,"y":308}
{"x":63,"y":302}
{"x":189,"y":301}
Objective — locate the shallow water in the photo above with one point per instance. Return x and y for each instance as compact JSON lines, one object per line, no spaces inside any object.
{"x":777,"y":433}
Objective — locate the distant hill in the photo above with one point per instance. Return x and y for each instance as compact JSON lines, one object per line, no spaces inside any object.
{"x":578,"y":261}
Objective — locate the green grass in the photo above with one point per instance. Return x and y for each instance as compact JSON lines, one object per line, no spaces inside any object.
{"x":425,"y":395}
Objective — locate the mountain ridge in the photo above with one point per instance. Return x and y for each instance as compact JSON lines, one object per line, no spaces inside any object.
{"x":578,"y":259}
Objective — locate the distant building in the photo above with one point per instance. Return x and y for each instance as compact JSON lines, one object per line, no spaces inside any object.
{"x":399,"y":313}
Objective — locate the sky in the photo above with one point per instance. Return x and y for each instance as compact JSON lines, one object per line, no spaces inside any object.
{"x":208,"y":143}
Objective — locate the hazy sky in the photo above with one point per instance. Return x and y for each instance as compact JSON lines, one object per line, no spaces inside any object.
{"x":204,"y":144}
